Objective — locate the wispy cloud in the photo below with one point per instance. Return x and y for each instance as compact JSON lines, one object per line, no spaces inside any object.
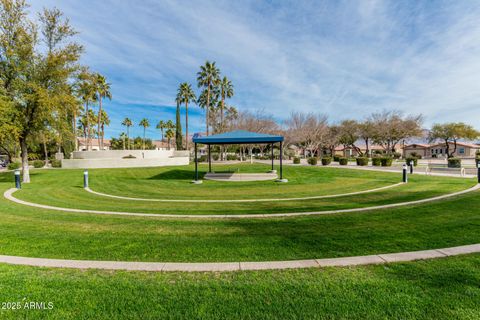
{"x":342,"y":58}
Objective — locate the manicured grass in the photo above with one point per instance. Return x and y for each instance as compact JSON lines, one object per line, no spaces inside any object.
{"x":27,"y":231}
{"x":63,"y":188}
{"x":435,"y":289}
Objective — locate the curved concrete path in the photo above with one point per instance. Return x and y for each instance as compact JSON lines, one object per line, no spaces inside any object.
{"x":9,"y":195}
{"x":244,"y":200}
{"x":240,"y":266}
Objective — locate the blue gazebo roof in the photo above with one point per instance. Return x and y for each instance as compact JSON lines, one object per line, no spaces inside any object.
{"x":238,"y":137}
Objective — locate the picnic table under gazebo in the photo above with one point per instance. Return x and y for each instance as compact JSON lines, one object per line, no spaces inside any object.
{"x":238,"y":137}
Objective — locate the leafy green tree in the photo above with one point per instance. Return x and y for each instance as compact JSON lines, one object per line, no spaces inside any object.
{"x":207,"y":78}
{"x":145,"y":124}
{"x":452,"y":132}
{"x":33,"y":79}
{"x":186,"y":95}
{"x":178,"y":128}
{"x":102,"y":88}
{"x":127,"y":122}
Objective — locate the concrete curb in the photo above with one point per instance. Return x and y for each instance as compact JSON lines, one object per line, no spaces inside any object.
{"x":242,"y":266}
{"x":8,"y":194}
{"x":243,"y":200}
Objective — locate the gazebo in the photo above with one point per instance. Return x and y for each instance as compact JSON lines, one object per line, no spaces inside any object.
{"x":238,"y":137}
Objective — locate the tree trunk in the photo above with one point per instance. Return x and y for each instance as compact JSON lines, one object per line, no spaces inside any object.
{"x":143,"y":138}
{"x":45,"y":151}
{"x":128,"y":136}
{"x":186,"y":125}
{"x":447,"y":149}
{"x":88,"y":128}
{"x":208,"y":105}
{"x":24,"y":154}
{"x":100,"y":140}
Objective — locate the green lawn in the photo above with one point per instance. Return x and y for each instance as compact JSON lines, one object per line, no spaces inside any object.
{"x":33,"y":232}
{"x":435,"y":289}
{"x":63,"y":188}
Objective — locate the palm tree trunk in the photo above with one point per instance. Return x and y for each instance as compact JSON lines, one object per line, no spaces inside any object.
{"x":208,"y":105}
{"x":100,"y":140}
{"x":143,"y":138}
{"x":88,"y":128}
{"x":186,"y":126}
{"x":128,"y":136}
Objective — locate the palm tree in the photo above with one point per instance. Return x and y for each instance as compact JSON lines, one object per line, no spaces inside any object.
{"x":87,"y":94}
{"x":161,"y":125}
{"x":123,"y":136}
{"x":178,"y":127}
{"x":169,"y":134}
{"x":226,"y":91}
{"x":128,"y":123}
{"x":102,"y":88}
{"x":104,"y":122}
{"x":185,"y":95}
{"x":145,"y":124}
{"x":207,"y":78}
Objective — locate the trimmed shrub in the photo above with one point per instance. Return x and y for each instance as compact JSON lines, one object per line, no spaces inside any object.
{"x":386,"y":161}
{"x":296,"y":160}
{"x":13,"y":165}
{"x":215,"y":156}
{"x":312,"y":161}
{"x":454,"y":162}
{"x":231,"y":157}
{"x":326,"y":161}
{"x":376,"y":161}
{"x":397,"y":155}
{"x":128,"y":157}
{"x":38,"y":164}
{"x":362,"y":161}
{"x":343,"y":161}
{"x":56,"y":163}
{"x":411,"y":159}
{"x":202,"y":158}
{"x":416,"y":155}
{"x":336,"y":158}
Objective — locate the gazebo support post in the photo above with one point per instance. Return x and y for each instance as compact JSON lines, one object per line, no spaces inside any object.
{"x":209,"y":159}
{"x":281,"y":164}
{"x":272,"y":155}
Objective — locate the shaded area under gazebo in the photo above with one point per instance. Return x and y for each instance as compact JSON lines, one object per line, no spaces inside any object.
{"x":238,"y":137}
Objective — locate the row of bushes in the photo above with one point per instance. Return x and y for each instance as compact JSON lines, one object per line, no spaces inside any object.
{"x":36,"y":164}
{"x":361,"y":161}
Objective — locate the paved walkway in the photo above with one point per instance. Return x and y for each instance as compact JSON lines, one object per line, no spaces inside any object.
{"x":244,"y":200}
{"x":240,"y":266}
{"x":9,"y":195}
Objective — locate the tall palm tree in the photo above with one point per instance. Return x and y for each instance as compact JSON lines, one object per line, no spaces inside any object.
{"x":161,"y":125}
{"x":178,"y":127}
{"x":127,"y":123}
{"x":123,"y":136}
{"x":102,"y":88}
{"x":145,"y":124}
{"x":87,"y":94}
{"x":169,"y":134}
{"x":185,"y":95}
{"x":207,"y":78}
{"x":225,"y":87}
{"x":104,"y":122}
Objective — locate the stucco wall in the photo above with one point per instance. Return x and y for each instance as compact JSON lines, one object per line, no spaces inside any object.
{"x":119,"y":154}
{"x":123,"y":163}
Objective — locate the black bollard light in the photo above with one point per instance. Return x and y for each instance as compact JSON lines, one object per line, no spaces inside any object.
{"x":478,"y":171}
{"x":411,"y":167}
{"x":85,"y":179}
{"x":405,"y":179}
{"x":18,"y":185}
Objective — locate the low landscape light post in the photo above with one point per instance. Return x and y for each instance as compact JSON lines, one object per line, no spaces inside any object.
{"x":18,"y":185}
{"x":411,"y":166}
{"x":405,"y":179}
{"x":478,"y":171}
{"x":85,"y":179}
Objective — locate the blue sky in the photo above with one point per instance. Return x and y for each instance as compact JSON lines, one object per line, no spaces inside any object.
{"x":345,"y":59}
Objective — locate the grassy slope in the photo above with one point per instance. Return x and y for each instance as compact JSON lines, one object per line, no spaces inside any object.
{"x":63,"y":188}
{"x":436,"y":289}
{"x":42,"y":233}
